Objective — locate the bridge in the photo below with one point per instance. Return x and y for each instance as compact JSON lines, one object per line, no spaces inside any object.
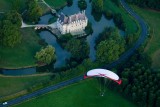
{"x":52,"y":25}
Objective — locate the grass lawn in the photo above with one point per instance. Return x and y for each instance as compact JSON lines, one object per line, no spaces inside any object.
{"x":11,"y":85}
{"x":83,"y":94}
{"x":130,"y":22}
{"x":56,"y":3}
{"x":23,"y":54}
{"x":153,"y":47}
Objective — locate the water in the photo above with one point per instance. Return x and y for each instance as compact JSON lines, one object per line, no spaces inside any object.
{"x":98,"y":24}
{"x":23,"y":71}
{"x":44,"y":19}
{"x":61,"y":54}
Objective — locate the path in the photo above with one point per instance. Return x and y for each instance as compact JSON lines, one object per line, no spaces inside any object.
{"x":128,"y":53}
{"x":53,"y":25}
{"x":53,"y":10}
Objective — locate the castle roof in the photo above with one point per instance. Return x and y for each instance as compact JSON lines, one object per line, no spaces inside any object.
{"x":66,"y":20}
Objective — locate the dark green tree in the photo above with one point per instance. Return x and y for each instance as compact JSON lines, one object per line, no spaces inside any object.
{"x":69,"y":2}
{"x":16,"y":5}
{"x":158,"y":102}
{"x":88,"y":28}
{"x":10,"y":34}
{"x":108,"y":51}
{"x":97,"y":6}
{"x":82,"y":4}
{"x":118,"y":20}
{"x":46,"y":55}
{"x":14,"y":17}
{"x":78,"y":48}
{"x":33,"y":11}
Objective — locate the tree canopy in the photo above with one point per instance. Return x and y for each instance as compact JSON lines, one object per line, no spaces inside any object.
{"x":46,"y":55}
{"x":110,"y":47}
{"x":155,"y":4}
{"x":97,"y":6}
{"x":9,"y":27}
{"x":78,"y":48}
{"x":82,"y":4}
{"x":33,"y":11}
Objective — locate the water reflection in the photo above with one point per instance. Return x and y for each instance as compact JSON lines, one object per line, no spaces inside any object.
{"x":61,"y":54}
{"x":99,"y":22}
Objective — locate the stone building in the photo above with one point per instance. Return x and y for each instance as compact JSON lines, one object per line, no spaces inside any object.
{"x":74,"y":24}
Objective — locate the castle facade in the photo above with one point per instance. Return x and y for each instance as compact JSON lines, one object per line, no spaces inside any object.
{"x":73,"y":23}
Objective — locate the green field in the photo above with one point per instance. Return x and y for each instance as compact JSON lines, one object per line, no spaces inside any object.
{"x":83,"y":94}
{"x":23,"y":54}
{"x":57,"y":4}
{"x":11,"y":85}
{"x":153,"y":47}
{"x":129,"y":21}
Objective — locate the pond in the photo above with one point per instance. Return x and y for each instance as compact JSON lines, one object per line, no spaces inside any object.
{"x":98,"y":24}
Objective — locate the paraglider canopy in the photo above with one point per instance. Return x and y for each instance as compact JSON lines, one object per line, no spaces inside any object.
{"x":103,"y":73}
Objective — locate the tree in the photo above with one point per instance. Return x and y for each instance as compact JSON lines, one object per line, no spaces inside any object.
{"x":88,"y":28}
{"x":118,"y":20}
{"x":78,"y":48}
{"x":82,"y":4}
{"x":107,"y":51}
{"x":108,"y":14}
{"x":110,"y":45}
{"x":116,"y":2}
{"x":158,"y":102}
{"x":16,"y":5}
{"x":97,"y":6}
{"x":10,"y":34}
{"x":33,"y":11}
{"x":69,"y":2}
{"x":9,"y":27}
{"x":46,"y":55}
{"x":14,"y":17}
{"x":155,"y":4}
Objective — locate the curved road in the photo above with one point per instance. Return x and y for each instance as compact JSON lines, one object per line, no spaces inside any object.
{"x":128,"y":53}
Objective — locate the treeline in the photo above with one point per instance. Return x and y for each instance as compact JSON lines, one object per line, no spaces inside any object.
{"x":140,"y":83}
{"x":154,"y":4}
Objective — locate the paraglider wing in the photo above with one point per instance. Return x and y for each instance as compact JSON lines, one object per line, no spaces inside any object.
{"x":103,"y":73}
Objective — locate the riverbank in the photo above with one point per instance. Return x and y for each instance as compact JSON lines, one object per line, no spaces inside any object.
{"x":153,"y":46}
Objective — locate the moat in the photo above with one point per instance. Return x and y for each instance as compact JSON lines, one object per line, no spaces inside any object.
{"x":98,"y":24}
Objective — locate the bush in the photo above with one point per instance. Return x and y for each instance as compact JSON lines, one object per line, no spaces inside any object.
{"x":89,"y":29}
{"x":118,"y":20}
{"x":108,"y":14}
{"x":82,"y":4}
{"x":69,"y":2}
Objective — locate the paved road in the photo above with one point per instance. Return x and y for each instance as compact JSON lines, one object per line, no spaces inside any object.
{"x":141,"y":39}
{"x":128,"y":53}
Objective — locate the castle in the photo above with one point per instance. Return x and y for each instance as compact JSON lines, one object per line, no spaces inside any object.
{"x":74,"y":24}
